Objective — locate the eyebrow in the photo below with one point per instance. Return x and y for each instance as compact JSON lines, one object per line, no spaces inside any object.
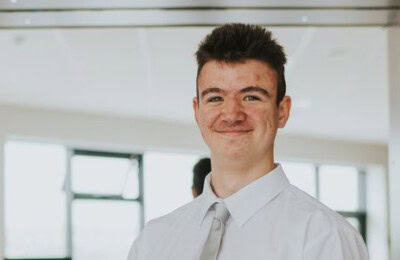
{"x":256,"y":89}
{"x":210,"y":90}
{"x":244,"y":90}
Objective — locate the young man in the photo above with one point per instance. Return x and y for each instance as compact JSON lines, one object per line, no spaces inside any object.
{"x":248,"y":209}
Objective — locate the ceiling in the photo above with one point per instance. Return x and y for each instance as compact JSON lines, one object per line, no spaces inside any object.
{"x":136,"y":58}
{"x":142,"y":13}
{"x":337,"y":76}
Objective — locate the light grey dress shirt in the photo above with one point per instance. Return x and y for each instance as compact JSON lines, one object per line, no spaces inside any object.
{"x":269,"y":219}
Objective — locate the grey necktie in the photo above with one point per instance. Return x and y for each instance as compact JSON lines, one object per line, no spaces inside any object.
{"x":213,"y":243}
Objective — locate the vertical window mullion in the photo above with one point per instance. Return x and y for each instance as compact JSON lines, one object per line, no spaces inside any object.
{"x":141,"y":190}
{"x":362,"y":190}
{"x":70,"y":198}
{"x":362,"y":202}
{"x":317,"y":192}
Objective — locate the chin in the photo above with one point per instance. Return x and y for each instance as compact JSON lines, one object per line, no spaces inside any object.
{"x":232,"y":149}
{"x":236,"y":153}
{"x":235,"y":156}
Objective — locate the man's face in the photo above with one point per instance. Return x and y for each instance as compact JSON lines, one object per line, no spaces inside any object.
{"x":237,"y":112}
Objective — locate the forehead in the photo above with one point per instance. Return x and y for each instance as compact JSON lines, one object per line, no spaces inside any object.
{"x":240,"y":74}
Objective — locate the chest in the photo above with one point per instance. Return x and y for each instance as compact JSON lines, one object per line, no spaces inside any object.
{"x":260,"y":245}
{"x":266,"y":242}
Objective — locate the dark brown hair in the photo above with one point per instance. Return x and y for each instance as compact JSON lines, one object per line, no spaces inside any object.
{"x":237,"y":42}
{"x":200,"y":171}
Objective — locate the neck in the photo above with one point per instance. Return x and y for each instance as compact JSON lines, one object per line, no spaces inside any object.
{"x":228,"y":177}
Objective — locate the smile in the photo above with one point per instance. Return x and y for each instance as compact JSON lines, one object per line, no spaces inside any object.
{"x":234,"y":132}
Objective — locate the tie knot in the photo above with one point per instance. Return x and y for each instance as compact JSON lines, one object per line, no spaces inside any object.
{"x":221,"y":212}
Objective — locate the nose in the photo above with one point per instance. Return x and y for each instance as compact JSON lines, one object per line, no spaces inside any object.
{"x":232,"y":112}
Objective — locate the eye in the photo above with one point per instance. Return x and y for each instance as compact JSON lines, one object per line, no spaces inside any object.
{"x":214,"y":99}
{"x":251,"y":98}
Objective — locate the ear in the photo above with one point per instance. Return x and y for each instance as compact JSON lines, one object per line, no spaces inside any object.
{"x":284,"y":111}
{"x":196,"y":109}
{"x":194,"y":192}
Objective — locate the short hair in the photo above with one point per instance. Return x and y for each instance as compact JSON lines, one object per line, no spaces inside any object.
{"x":238,"y":42}
{"x":200,"y":170}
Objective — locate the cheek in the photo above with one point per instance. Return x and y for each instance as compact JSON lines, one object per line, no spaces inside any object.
{"x":208,"y":119}
{"x":266,"y":119}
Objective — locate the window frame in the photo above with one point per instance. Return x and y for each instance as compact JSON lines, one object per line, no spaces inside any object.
{"x":361,"y":213}
{"x":71,"y":196}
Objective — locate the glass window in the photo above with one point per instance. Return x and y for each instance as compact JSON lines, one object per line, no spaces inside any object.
{"x":355,"y":222}
{"x":103,"y":227}
{"x":167,"y":182}
{"x":104,"y":230}
{"x":105,"y":175}
{"x":301,"y":175}
{"x":339,"y":187}
{"x":35,"y":203}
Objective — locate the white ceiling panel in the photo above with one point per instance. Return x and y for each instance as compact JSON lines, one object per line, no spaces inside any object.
{"x":336,"y":76}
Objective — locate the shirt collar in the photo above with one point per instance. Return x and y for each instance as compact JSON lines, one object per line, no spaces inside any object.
{"x":207,"y":199}
{"x":259,"y":193}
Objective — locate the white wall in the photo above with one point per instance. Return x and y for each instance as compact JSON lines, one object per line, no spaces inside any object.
{"x":330,"y":151}
{"x":96,"y":130}
{"x":1,"y":196}
{"x":377,"y":213}
{"x":129,"y":134}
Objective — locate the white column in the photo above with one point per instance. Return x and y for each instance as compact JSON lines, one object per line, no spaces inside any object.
{"x":1,"y":196}
{"x":394,"y":140}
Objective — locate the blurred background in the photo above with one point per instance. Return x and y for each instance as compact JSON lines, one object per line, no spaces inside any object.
{"x":97,"y":134}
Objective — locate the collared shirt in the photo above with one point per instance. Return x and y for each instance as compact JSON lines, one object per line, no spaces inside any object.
{"x":269,"y":219}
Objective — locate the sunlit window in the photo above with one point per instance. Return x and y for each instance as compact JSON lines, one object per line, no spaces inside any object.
{"x":92,"y":211}
{"x":302,"y":175}
{"x":104,"y":230}
{"x":355,"y":222}
{"x":168,"y":181}
{"x":105,"y":175}
{"x":105,"y":204}
{"x":35,"y":203}
{"x":76,"y":204}
{"x":339,"y":187}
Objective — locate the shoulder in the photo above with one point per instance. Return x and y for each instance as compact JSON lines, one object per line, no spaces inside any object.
{"x":176,"y":216}
{"x":326,"y":234}
{"x":316,"y":214}
{"x":159,"y":231}
{"x":160,"y":228}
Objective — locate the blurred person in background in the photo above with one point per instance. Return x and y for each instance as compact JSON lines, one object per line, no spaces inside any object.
{"x":200,"y":170}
